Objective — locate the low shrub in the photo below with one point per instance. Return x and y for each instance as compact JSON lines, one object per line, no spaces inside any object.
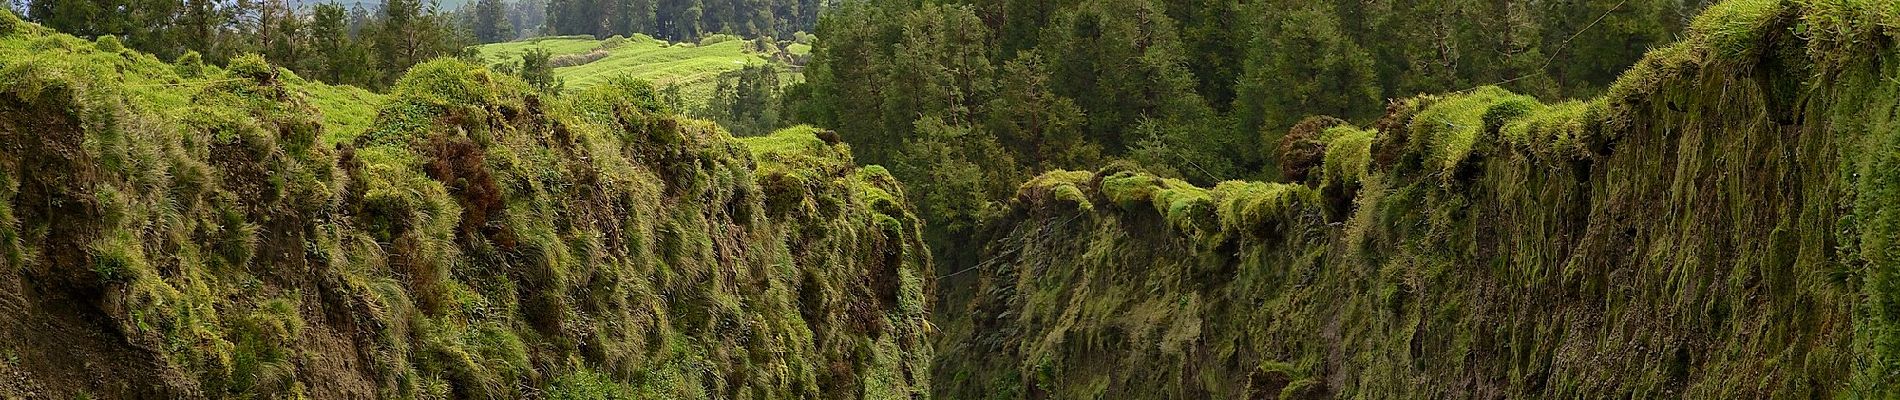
{"x":109,"y":44}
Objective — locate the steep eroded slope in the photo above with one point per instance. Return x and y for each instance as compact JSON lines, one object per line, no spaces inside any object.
{"x":180,"y":231}
{"x":1721,"y":224}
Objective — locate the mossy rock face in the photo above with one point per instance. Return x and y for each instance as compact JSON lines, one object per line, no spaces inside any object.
{"x":1720,"y":224}
{"x":195,"y":232}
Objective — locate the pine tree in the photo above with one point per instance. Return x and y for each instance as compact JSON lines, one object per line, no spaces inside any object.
{"x":1212,"y":34}
{"x":281,"y":34}
{"x":1300,"y":63}
{"x":1043,"y":129}
{"x":538,"y":72}
{"x":745,"y":101}
{"x":529,"y":17}
{"x":491,"y":22}
{"x":1121,"y":70}
{"x":680,"y":19}
{"x":333,"y":47}
{"x":407,"y":34}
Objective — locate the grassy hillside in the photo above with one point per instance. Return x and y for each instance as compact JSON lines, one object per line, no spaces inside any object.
{"x":1720,"y":224}
{"x":177,"y":231}
{"x":154,"y":86}
{"x":694,"y":68}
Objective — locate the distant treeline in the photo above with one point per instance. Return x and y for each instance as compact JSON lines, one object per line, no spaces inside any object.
{"x":966,"y":99}
{"x":683,"y":20}
{"x":372,"y":46}
{"x":355,"y":45}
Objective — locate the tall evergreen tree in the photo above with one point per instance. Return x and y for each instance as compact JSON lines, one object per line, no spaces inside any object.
{"x":491,"y":22}
{"x":1042,"y":129}
{"x":538,"y":72}
{"x":680,"y":19}
{"x":683,"y":20}
{"x":407,"y":34}
{"x":1213,"y":38}
{"x":1299,"y":63}
{"x":282,"y":34}
{"x":1595,"y":57}
{"x":1123,"y":64}
{"x":338,"y":57}
{"x":528,"y":17}
{"x":745,"y":101}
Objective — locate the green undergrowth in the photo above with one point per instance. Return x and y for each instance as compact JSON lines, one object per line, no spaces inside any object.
{"x":187,"y":231}
{"x":1720,"y":224}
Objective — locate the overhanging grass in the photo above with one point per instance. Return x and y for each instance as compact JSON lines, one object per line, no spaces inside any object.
{"x":1720,"y":224}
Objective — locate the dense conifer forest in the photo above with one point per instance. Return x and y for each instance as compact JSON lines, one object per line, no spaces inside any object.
{"x":956,"y":199}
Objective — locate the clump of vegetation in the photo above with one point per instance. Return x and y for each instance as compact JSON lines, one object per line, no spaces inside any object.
{"x":612,"y":43}
{"x":1733,"y":29}
{"x":1451,"y":129}
{"x":718,"y":38}
{"x":109,"y":44}
{"x":1302,"y":148}
{"x":537,"y":68}
{"x":253,"y":67}
{"x":570,"y":60}
{"x":1559,"y":132}
{"x":11,"y":24}
{"x":190,"y":65}
{"x":1058,"y":190}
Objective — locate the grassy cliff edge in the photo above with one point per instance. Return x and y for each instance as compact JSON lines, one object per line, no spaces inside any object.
{"x":185,"y":231}
{"x":1721,"y":224}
